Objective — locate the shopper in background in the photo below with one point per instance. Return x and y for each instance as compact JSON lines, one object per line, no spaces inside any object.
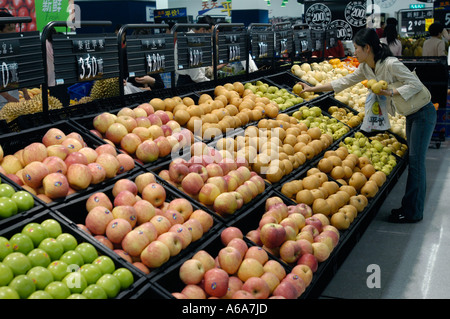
{"x":390,"y":37}
{"x":435,"y":45}
{"x":12,"y":95}
{"x":380,"y":30}
{"x":377,"y":62}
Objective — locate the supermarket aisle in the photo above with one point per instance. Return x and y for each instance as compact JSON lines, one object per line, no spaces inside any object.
{"x":413,"y":259}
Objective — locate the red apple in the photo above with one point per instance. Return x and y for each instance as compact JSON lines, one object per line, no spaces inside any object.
{"x":155,"y":254}
{"x":216,"y":282}
{"x":257,"y":287}
{"x":272,"y":235}
{"x":191,"y":272}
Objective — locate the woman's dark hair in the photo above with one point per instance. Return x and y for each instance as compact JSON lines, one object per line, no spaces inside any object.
{"x":435,"y":29}
{"x":4,"y":14}
{"x":369,"y":37}
{"x":390,"y":33}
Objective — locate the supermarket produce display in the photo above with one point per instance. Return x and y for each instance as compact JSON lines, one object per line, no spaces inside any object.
{"x":235,"y":189}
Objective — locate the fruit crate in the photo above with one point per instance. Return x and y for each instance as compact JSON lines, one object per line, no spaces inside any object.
{"x":326,"y":101}
{"x":85,"y":124}
{"x":138,"y":279}
{"x":337,"y":140}
{"x":225,"y":217}
{"x":75,"y":213}
{"x":38,"y":207}
{"x":169,"y":281}
{"x":13,"y":142}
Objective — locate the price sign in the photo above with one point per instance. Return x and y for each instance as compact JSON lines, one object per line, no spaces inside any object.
{"x":231,"y":46}
{"x":302,"y":41}
{"x":89,"y":67}
{"x":194,"y":51}
{"x":10,"y":76}
{"x":88,"y":45}
{"x":414,"y":21}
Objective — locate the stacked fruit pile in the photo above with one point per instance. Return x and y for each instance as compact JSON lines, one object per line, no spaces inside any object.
{"x":240,"y":272}
{"x":313,"y":117}
{"x":346,"y":116}
{"x":224,"y":184}
{"x":42,"y":262}
{"x":378,"y":149}
{"x":62,"y":164}
{"x":343,"y":197}
{"x":282,"y":97}
{"x":230,"y":107}
{"x":274,"y":148}
{"x":142,"y":132}
{"x":14,"y":201}
{"x":141,"y":224}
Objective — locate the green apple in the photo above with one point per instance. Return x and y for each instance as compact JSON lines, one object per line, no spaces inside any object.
{"x":110,"y":284}
{"x":57,"y":290}
{"x":36,"y":233}
{"x":91,"y":273}
{"x":75,"y":281}
{"x":76,"y":296}
{"x":72,"y":257}
{"x":94,"y":292}
{"x":18,"y":262}
{"x":6,"y":190}
{"x":23,"y":200}
{"x":8,"y":207}
{"x":52,"y":227}
{"x":5,"y":248}
{"x":8,"y":293}
{"x":68,"y":241}
{"x":52,"y":247}
{"x":40,"y":294}
{"x":40,"y":276}
{"x":105,"y":263}
{"x":125,"y":277}
{"x":39,"y":257}
{"x":24,"y":286}
{"x":59,"y":269}
{"x":6,"y":274}
{"x":87,"y":251}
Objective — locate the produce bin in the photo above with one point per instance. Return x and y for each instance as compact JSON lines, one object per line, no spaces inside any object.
{"x":75,"y":213}
{"x":81,"y":237}
{"x":11,"y":143}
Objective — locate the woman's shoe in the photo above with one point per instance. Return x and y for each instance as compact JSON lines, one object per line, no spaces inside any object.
{"x":397,"y":211}
{"x":401,"y":219}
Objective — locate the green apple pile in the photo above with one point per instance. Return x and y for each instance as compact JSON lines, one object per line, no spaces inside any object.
{"x":61,"y":164}
{"x":313,"y":117}
{"x":378,"y":152}
{"x":239,"y":271}
{"x":13,"y":202}
{"x":224,"y":184}
{"x":282,"y":97}
{"x":141,"y":224}
{"x":42,"y":262}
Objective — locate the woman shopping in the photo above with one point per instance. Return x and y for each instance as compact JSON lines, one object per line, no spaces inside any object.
{"x":377,"y":62}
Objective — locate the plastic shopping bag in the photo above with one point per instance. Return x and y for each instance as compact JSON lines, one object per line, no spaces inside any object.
{"x":376,"y":114}
{"x":130,"y":89}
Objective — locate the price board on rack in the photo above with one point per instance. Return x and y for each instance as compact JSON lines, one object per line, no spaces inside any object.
{"x":21,"y":61}
{"x":232,"y":46}
{"x":150,"y":54}
{"x":194,"y":50}
{"x":414,"y":21}
{"x":262,"y":44}
{"x":80,"y":58}
{"x":302,"y":41}
{"x":284,"y":45}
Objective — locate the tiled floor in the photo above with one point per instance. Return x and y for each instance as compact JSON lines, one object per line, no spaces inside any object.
{"x":411,"y":260}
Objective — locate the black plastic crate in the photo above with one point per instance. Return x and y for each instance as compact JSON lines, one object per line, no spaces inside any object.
{"x":14,"y":142}
{"x":325,"y":102}
{"x":81,"y":237}
{"x":75,"y":212}
{"x":169,"y":281}
{"x":38,"y":207}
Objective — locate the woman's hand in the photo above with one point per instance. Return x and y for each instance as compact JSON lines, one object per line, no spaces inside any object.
{"x":306,"y":88}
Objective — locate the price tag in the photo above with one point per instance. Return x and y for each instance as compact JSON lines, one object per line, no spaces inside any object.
{"x":89,"y":67}
{"x":155,"y":63}
{"x":10,"y":76}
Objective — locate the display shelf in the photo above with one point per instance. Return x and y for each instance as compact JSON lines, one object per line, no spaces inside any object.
{"x":75,"y":213}
{"x":38,"y":207}
{"x":169,"y":281}
{"x":11,"y":143}
{"x":81,"y":237}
